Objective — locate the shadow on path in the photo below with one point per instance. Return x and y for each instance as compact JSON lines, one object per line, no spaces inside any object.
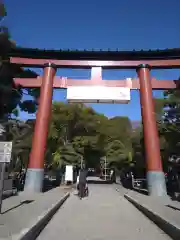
{"x":172,"y":207}
{"x":22,"y":203}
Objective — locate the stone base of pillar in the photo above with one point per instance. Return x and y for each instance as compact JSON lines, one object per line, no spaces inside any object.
{"x":156,"y":184}
{"x":34,"y":180}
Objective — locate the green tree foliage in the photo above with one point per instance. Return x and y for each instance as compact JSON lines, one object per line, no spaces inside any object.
{"x":137,"y":138}
{"x":78,"y":132}
{"x":11,"y":96}
{"x":2,"y":10}
{"x":5,"y":43}
{"x":169,"y":125}
{"x":167,"y":111}
{"x":20,"y":133}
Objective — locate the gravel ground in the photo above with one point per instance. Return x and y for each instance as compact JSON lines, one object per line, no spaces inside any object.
{"x":104,"y":215}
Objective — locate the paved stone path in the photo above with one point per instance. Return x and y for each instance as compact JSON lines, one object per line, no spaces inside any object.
{"x":20,"y":211}
{"x":104,"y":215}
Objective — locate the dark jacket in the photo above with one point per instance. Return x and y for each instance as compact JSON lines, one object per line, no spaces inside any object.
{"x":82,"y":176}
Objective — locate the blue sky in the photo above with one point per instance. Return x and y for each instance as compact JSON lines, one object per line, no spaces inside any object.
{"x":97,"y":24}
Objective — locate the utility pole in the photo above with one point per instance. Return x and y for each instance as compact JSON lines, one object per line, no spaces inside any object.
{"x":81,"y":162}
{"x":105,"y":168}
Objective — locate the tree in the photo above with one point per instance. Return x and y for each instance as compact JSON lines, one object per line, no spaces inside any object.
{"x":169,"y":125}
{"x":11,"y":95}
{"x":82,"y":131}
{"x":119,"y":154}
{"x":139,"y":158}
{"x":167,"y":112}
{"x":73,"y":126}
{"x":5,"y":43}
{"x":20,"y":133}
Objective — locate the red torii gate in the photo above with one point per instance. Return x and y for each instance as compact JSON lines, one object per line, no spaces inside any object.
{"x":94,"y":60}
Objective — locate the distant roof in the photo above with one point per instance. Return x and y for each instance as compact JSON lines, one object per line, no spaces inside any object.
{"x":70,"y":54}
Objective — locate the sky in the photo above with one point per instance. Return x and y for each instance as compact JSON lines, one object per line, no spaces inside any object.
{"x":97,"y":24}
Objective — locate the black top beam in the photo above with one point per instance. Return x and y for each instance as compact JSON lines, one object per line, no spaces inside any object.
{"x":95,"y":55}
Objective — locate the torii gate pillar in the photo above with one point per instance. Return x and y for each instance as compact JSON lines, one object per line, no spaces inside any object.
{"x":155,"y":175}
{"x":35,"y":171}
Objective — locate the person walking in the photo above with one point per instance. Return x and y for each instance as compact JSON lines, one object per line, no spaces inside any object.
{"x":82,"y":182}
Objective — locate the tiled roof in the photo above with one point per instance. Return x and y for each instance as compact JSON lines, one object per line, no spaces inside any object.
{"x":96,"y":54}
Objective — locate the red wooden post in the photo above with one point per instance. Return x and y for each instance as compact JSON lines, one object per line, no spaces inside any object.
{"x":35,"y":171}
{"x":155,"y":175}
